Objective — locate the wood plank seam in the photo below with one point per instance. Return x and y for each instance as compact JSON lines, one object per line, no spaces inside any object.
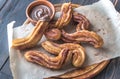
{"x":4,"y":63}
{"x":3,"y":5}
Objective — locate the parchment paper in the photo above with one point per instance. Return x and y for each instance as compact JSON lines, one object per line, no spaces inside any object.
{"x":105,"y":21}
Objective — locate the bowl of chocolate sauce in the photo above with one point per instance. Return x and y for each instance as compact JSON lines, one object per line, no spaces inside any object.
{"x":42,"y":10}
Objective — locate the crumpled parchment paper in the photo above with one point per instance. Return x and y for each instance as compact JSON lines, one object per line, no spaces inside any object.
{"x":105,"y":21}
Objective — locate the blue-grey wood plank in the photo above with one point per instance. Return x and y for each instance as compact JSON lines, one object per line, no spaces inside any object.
{"x":5,"y":76}
{"x":6,"y":68}
{"x":12,"y":10}
{"x":112,"y":71}
{"x":118,"y":6}
{"x":3,"y":59}
{"x":2,"y":3}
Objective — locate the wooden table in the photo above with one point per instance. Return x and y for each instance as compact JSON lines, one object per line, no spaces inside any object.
{"x":15,"y":10}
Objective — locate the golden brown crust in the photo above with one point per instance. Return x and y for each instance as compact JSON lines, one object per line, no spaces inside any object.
{"x":53,"y":34}
{"x":80,"y":73}
{"x":77,"y":51}
{"x":33,"y":38}
{"x":83,"y":36}
{"x":64,"y":19}
{"x":83,"y":73}
{"x":83,"y":22}
{"x":47,"y":61}
{"x":66,"y":16}
{"x":51,"y":47}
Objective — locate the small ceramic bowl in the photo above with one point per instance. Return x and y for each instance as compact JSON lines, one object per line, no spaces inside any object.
{"x":37,"y":3}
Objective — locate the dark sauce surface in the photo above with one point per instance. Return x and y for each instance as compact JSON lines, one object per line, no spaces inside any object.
{"x":41,"y":12}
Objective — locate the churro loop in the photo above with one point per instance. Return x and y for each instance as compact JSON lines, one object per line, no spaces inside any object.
{"x":77,"y":52}
{"x":83,"y":22}
{"x":63,"y":52}
{"x":53,"y":34}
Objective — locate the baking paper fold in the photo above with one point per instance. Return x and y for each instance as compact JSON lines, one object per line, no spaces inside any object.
{"x":105,"y":21}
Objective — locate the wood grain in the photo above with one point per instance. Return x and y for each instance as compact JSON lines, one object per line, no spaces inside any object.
{"x":15,"y":10}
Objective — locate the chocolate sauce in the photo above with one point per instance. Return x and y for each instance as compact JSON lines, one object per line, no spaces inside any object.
{"x":41,"y":12}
